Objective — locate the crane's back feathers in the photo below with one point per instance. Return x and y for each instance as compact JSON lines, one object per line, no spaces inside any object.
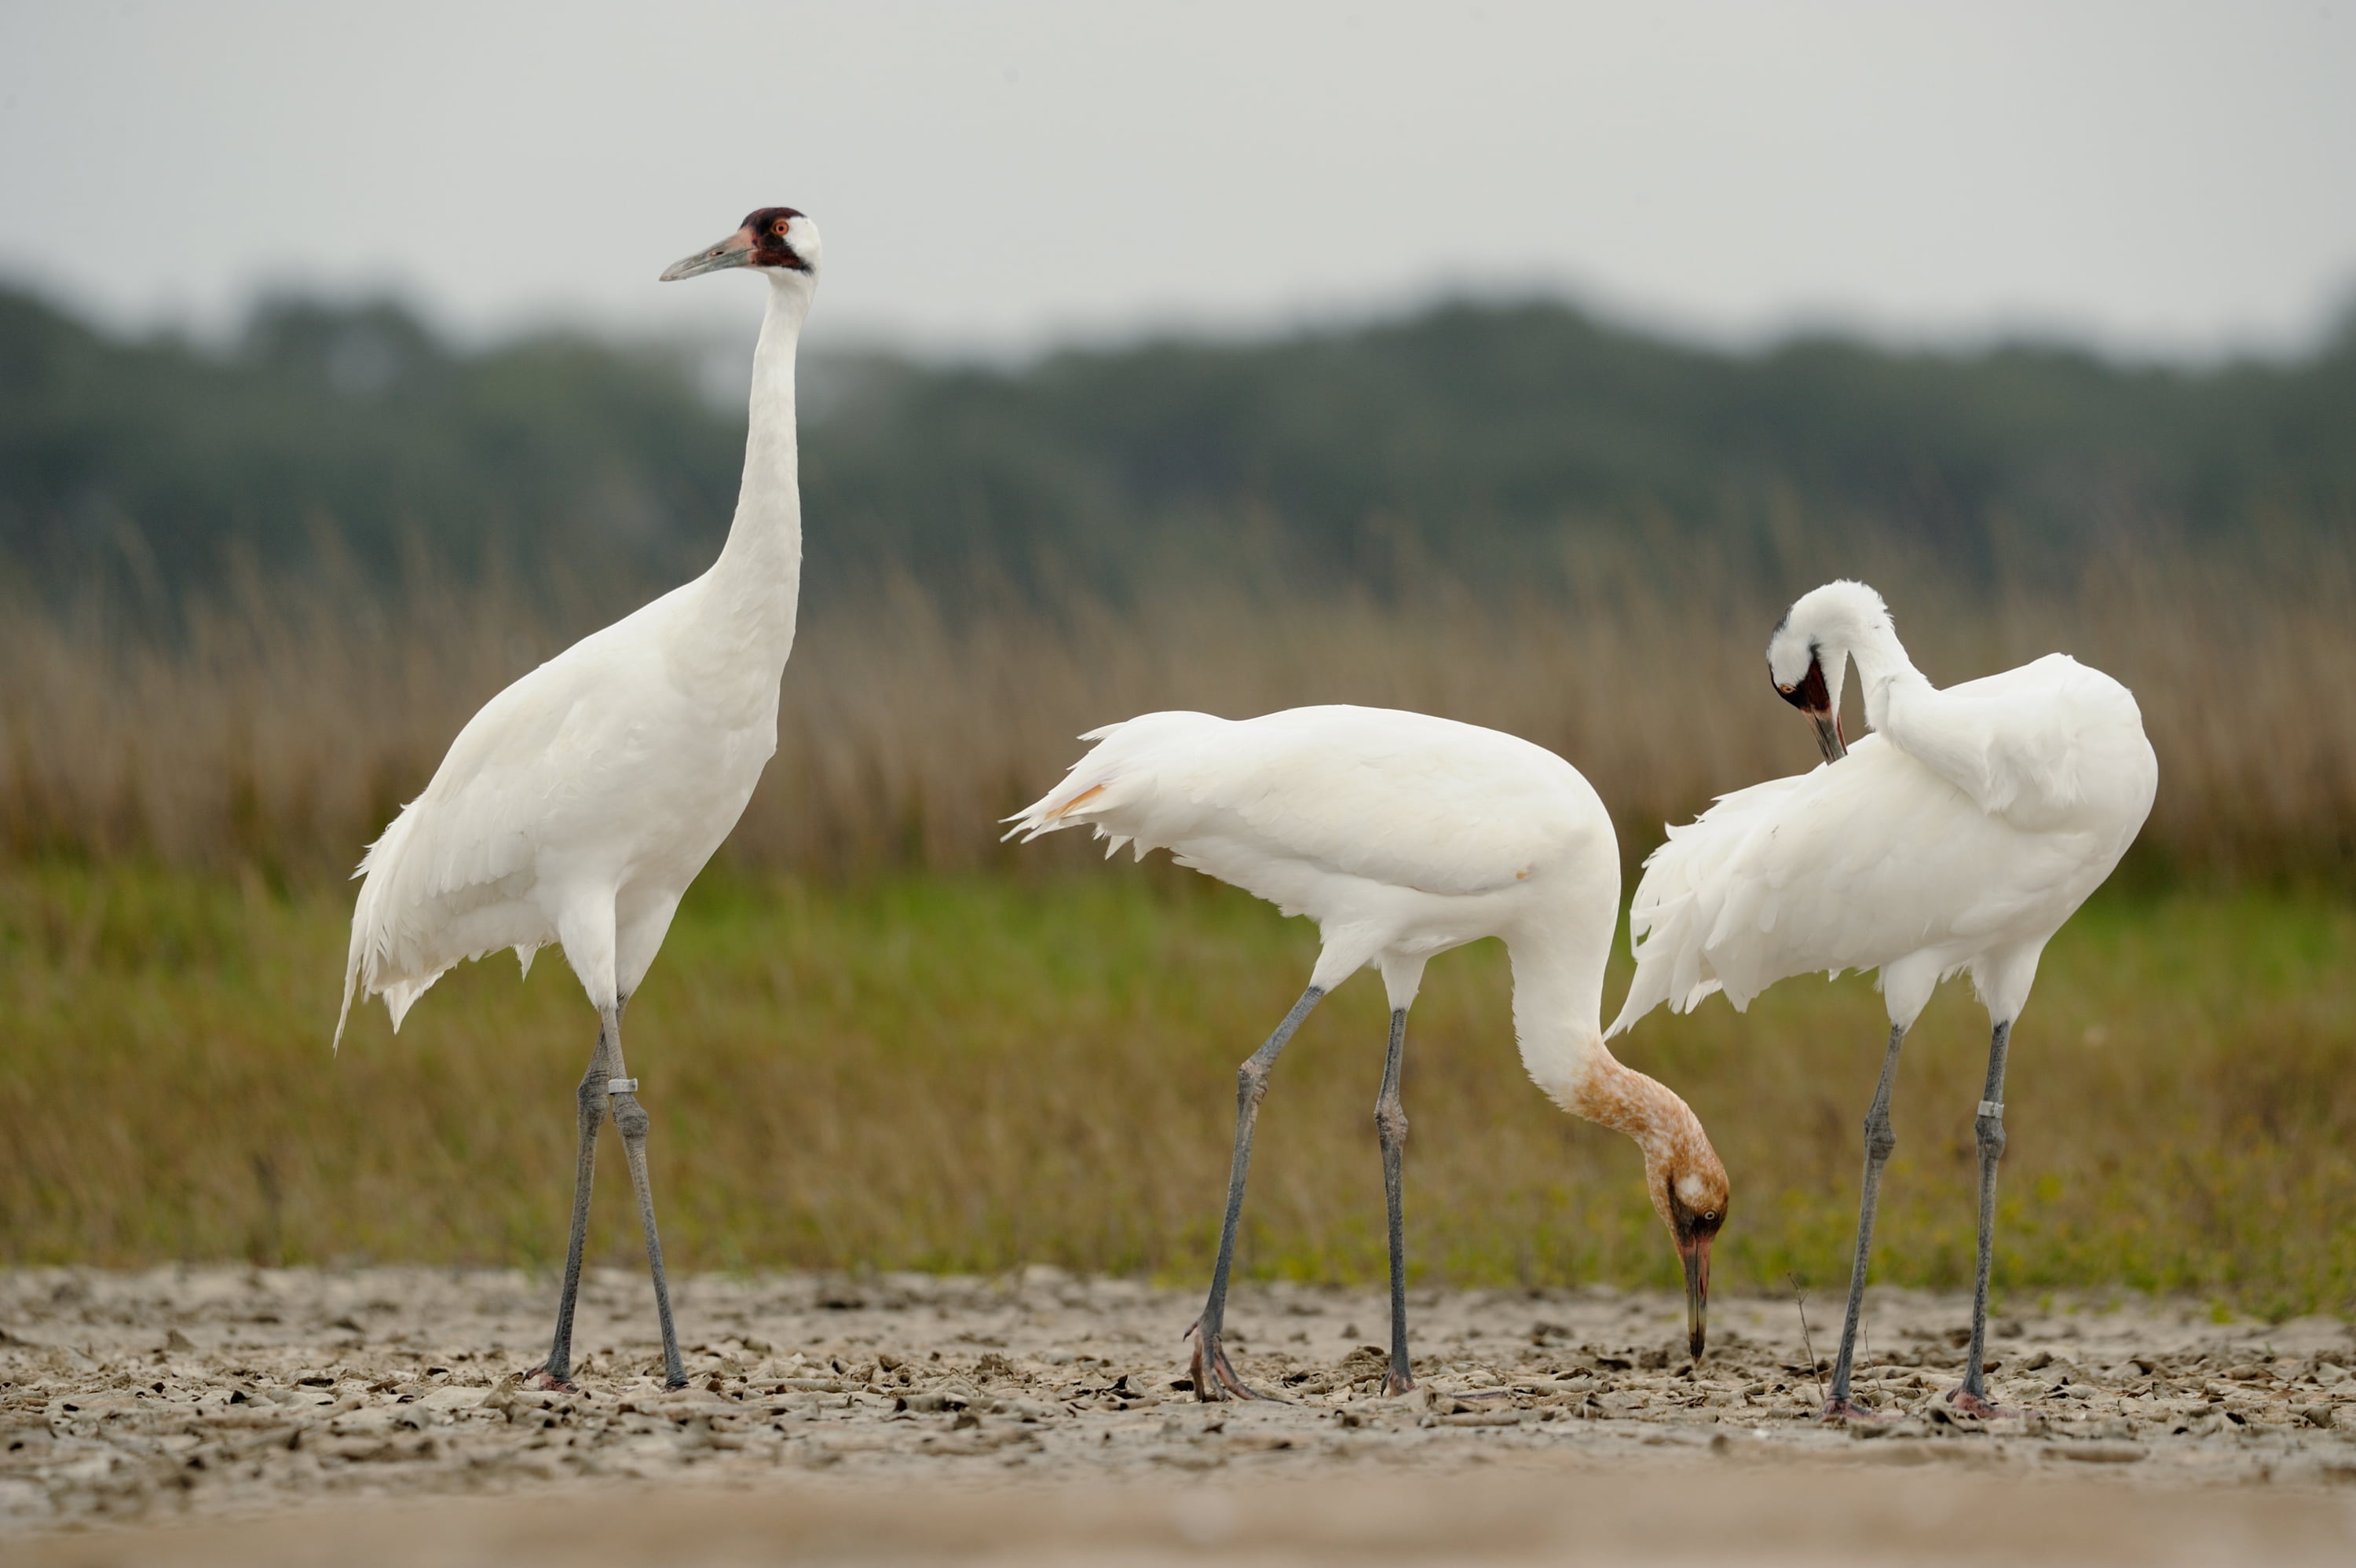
{"x":1402,"y":800}
{"x":2017,"y":742}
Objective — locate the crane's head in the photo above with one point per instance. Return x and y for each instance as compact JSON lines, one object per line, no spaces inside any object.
{"x":776,"y":239}
{"x":1689,"y":1191}
{"x":1682,"y":1173}
{"x":1807,"y":658}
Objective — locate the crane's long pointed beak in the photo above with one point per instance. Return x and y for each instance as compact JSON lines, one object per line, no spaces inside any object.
{"x":1696,"y":1259}
{"x":736,"y":251}
{"x":1828,"y":736}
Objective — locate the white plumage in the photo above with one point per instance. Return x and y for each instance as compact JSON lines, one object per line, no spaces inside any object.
{"x":575,"y":808}
{"x":579,"y":803}
{"x":1403,"y":836}
{"x":1959,"y":836}
{"x":1396,"y":829}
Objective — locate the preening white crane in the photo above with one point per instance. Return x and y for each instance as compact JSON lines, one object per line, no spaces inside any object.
{"x":1402,"y":836}
{"x":1959,"y":836}
{"x":579,"y":803}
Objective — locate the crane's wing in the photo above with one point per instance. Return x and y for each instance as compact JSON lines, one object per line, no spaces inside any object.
{"x":1399,"y":798}
{"x":2018,"y":740}
{"x":1680,"y":897}
{"x":1856,"y":864}
{"x":439,"y":885}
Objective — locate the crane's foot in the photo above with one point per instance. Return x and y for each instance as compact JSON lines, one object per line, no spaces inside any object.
{"x":538,"y":1377}
{"x":1965,"y":1402}
{"x":1396,"y":1382}
{"x":1847,"y":1410}
{"x":1214,"y":1375}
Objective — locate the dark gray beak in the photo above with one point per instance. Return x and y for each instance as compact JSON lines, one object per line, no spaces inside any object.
{"x":1828,"y":736}
{"x":1695,"y":1254}
{"x":736,"y":251}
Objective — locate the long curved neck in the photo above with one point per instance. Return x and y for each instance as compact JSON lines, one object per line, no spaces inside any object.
{"x":1885,"y":671}
{"x":1558,"y":1011}
{"x":753,"y":588}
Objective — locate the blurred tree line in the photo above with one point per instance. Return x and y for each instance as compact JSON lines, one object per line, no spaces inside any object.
{"x":1473,"y":433}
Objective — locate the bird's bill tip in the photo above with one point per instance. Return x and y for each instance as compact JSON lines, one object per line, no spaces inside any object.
{"x":736,"y":251}
{"x":1695,"y":1254}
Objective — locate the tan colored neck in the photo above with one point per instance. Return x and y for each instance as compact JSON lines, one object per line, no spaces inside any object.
{"x":1613,"y":1094}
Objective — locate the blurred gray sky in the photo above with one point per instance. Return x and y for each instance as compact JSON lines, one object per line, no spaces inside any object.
{"x":2168,"y":178}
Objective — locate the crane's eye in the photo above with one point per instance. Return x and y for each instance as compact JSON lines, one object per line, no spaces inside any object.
{"x":779,"y":227}
{"x":1784,"y":690}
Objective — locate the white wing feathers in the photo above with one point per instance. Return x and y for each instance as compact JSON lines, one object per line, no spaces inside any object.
{"x":1855,"y":865}
{"x":2013,"y":740}
{"x":1397,"y":798}
{"x":1681,"y":899}
{"x":440,"y":886}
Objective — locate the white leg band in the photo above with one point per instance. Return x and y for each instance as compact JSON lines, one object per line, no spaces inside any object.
{"x":621,"y":1085}
{"x":1992,"y":1109}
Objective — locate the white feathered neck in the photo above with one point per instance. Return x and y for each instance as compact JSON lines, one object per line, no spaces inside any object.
{"x":748,"y":598}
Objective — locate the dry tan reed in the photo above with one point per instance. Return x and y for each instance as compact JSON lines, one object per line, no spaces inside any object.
{"x":281,"y":723}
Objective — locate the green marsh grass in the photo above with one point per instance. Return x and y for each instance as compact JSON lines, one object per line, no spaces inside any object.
{"x":969,"y":1073}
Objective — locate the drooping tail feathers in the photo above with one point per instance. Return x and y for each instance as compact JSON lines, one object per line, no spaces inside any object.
{"x":1675,"y":919}
{"x":1112,"y":789}
{"x":369,"y":958}
{"x":1078,"y":798}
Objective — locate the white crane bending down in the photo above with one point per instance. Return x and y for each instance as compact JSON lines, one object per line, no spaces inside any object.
{"x":1402,"y":836}
{"x":1960,"y":835}
{"x":579,"y":803}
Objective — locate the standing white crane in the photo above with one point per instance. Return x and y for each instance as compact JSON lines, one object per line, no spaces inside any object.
{"x":1402,"y":836}
{"x":579,"y":803}
{"x":1959,"y":836}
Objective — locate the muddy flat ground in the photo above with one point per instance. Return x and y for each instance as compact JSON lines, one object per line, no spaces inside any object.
{"x":255,"y":1415}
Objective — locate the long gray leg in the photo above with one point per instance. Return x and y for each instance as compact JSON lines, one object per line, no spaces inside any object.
{"x":1989,"y":1126}
{"x":1880,"y":1139}
{"x":589,"y":1100}
{"x":631,"y":1120}
{"x":1214,"y":1377}
{"x":1390,"y":1126}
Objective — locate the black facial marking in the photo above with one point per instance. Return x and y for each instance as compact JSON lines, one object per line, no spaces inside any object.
{"x":770,"y":247}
